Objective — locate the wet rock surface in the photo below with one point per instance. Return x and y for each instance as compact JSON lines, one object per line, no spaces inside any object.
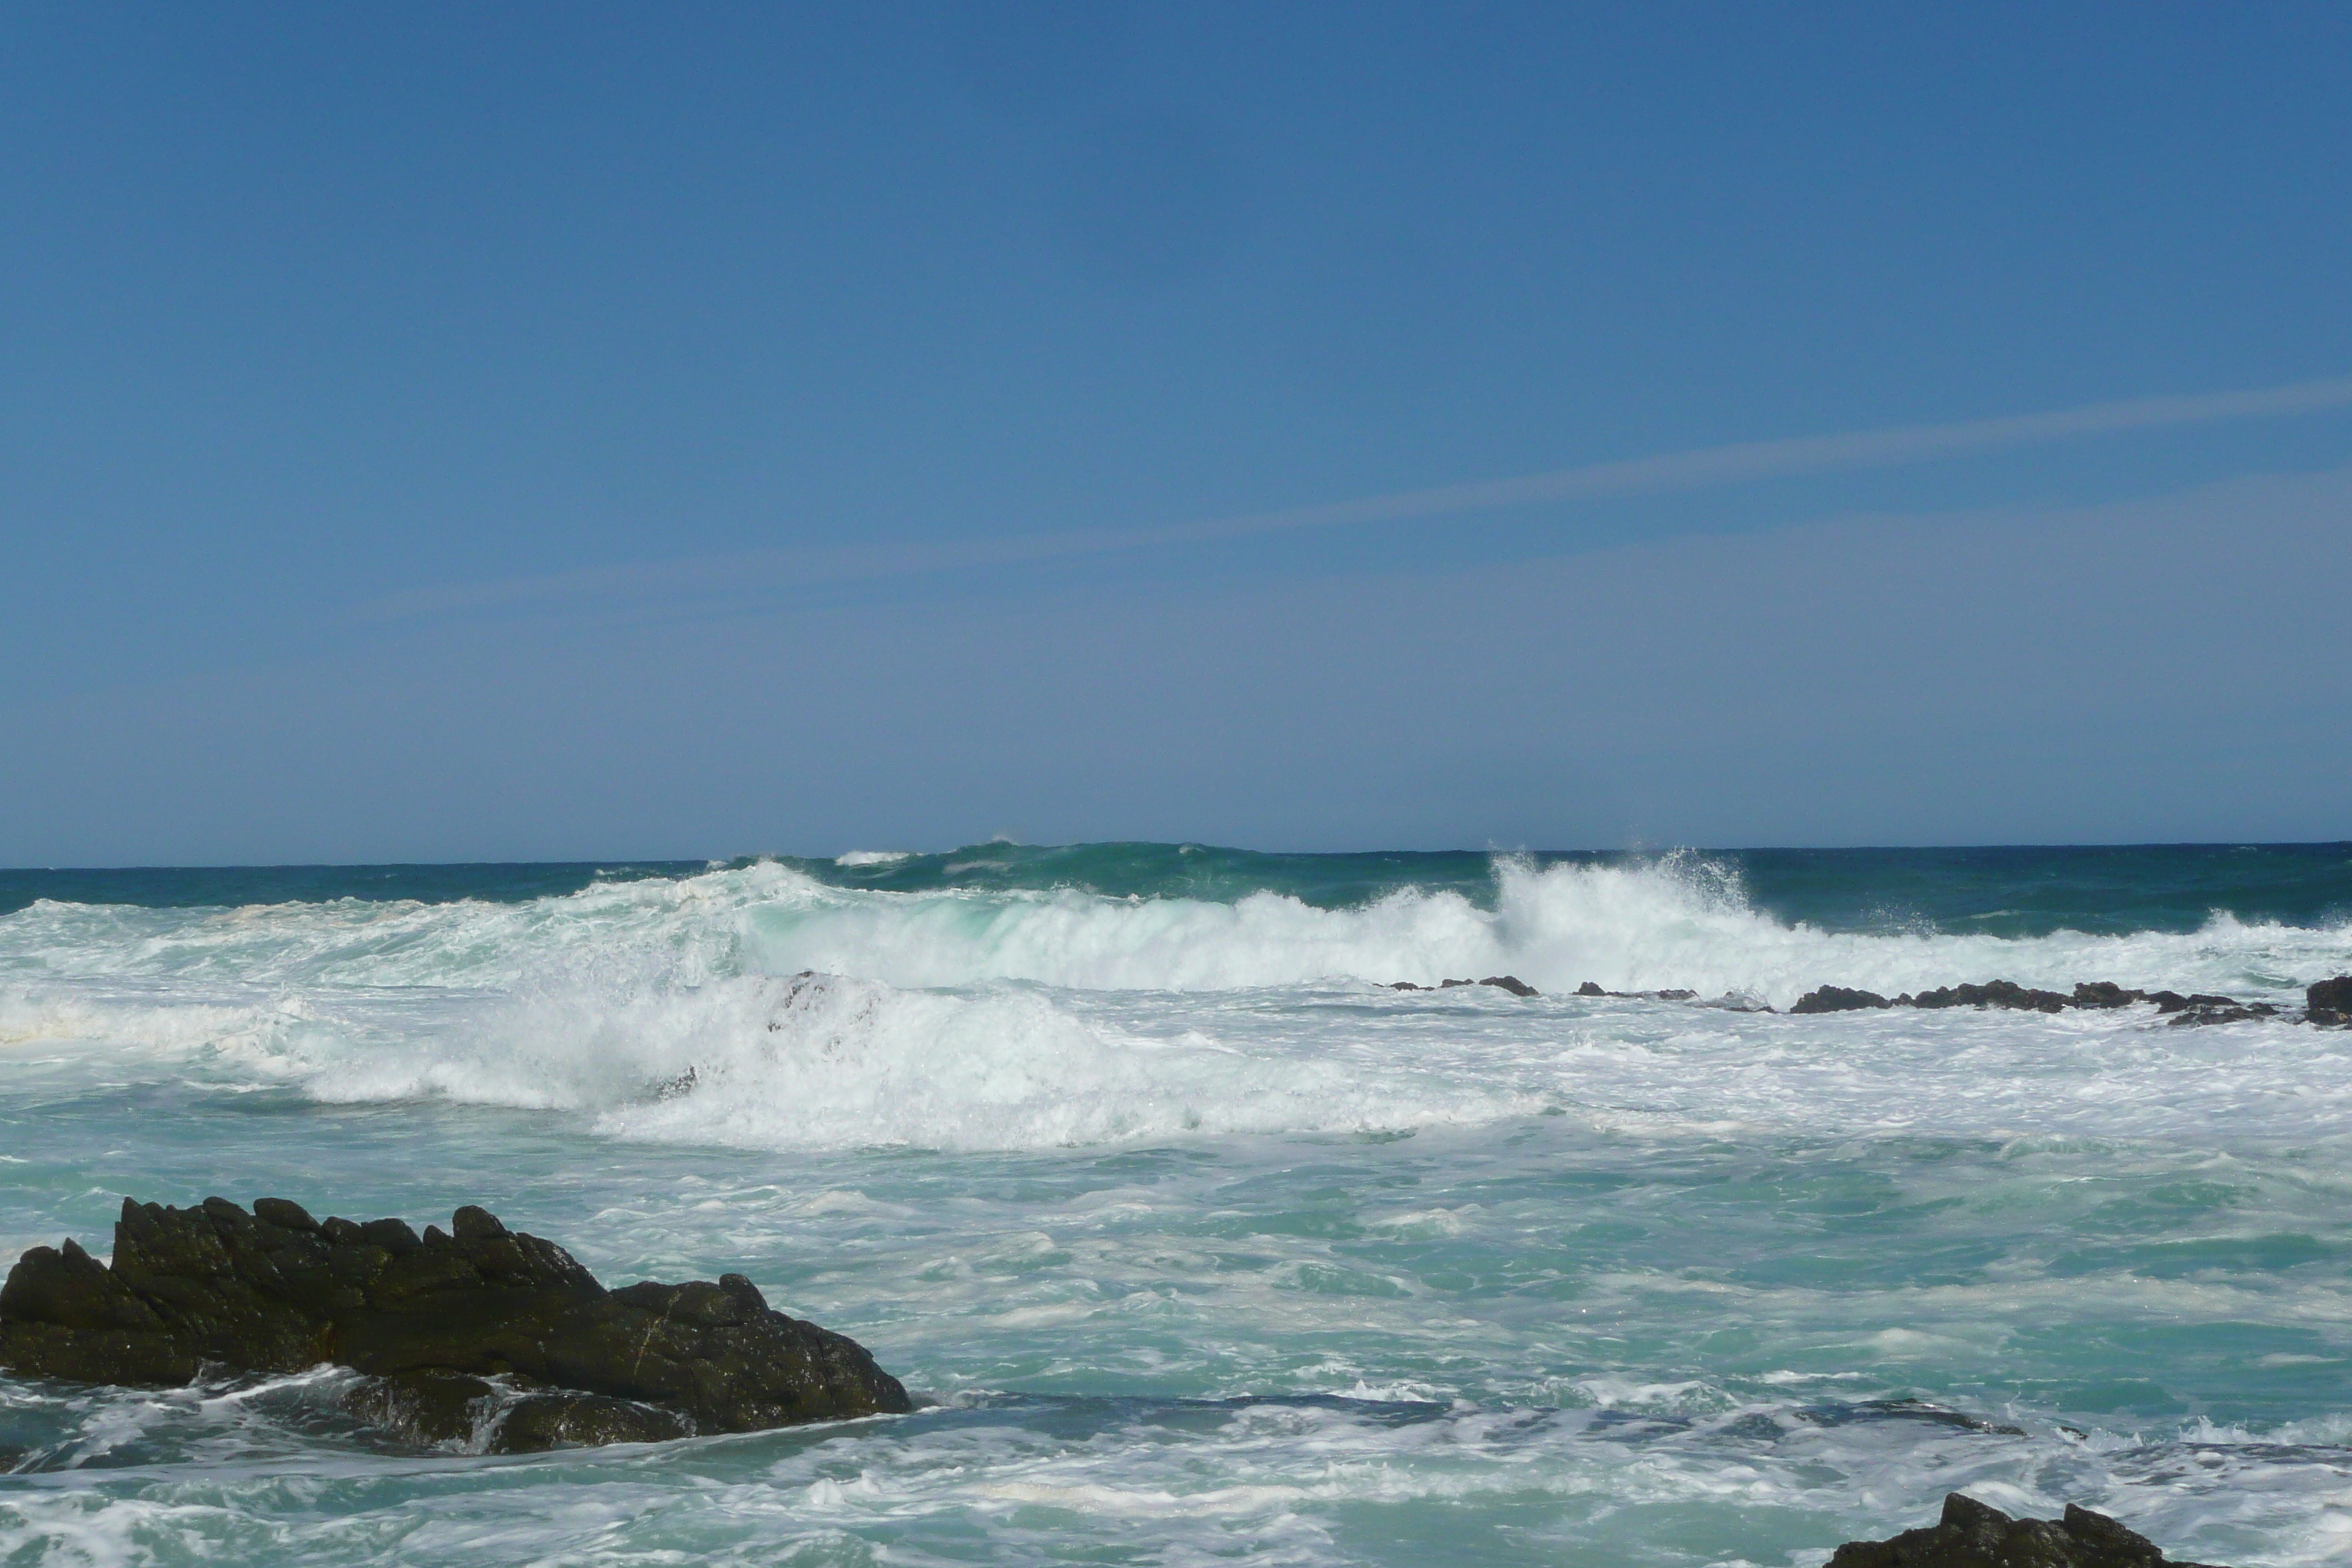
{"x":1510,"y":982}
{"x":480,"y":1335}
{"x":1991,"y":994}
{"x":1838,"y":999}
{"x":1972,"y":1534}
{"x":2329,"y":1002}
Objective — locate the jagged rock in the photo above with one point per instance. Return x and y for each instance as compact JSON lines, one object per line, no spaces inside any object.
{"x":1838,"y":999}
{"x":1405,"y":986}
{"x":2106,"y":993}
{"x":2199,"y":1002}
{"x":1991,"y":994}
{"x":1510,"y":982}
{"x":2329,"y":1002}
{"x":1973,"y":1535}
{"x":431,"y":1318}
{"x":1590,"y":989}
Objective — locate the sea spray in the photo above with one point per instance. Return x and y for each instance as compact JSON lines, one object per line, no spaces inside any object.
{"x":1191,"y":1234}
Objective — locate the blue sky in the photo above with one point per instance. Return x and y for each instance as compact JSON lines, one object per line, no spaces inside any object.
{"x":446,"y":433}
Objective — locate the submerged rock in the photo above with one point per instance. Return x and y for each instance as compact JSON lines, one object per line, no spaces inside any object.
{"x":1973,"y":1535}
{"x":431,"y":1318}
{"x":2222,"y":1010}
{"x":1589,"y":989}
{"x":2329,"y":1002}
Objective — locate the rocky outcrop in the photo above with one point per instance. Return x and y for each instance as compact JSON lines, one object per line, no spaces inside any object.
{"x":2095,"y":994}
{"x":1972,"y":1535}
{"x":2327,"y":1003}
{"x":476,"y":1332}
{"x":1838,"y":999}
{"x":1510,"y":982}
{"x":1991,"y":994}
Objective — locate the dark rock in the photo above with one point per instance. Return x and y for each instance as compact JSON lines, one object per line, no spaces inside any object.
{"x":428,"y":1407}
{"x":2329,"y":1002}
{"x":2199,"y":1008}
{"x":445,"y":1408}
{"x":1838,"y":999}
{"x":430,"y":1321}
{"x":2106,"y":993}
{"x":283,"y":1214}
{"x":1972,"y":1535}
{"x":2174,"y":1002}
{"x":1510,"y":982}
{"x":1991,"y":994}
{"x":393,"y":1235}
{"x":1590,"y":989}
{"x":546,"y":1421}
{"x":1405,"y":986}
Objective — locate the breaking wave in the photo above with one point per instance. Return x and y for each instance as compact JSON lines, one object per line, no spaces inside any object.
{"x":759,"y":1005}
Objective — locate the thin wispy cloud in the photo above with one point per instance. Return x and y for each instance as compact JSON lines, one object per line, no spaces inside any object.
{"x":1702,"y":468}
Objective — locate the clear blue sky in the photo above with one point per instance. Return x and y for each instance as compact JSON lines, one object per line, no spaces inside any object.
{"x":436,"y":432}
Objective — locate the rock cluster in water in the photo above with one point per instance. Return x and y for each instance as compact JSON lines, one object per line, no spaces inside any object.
{"x":1972,"y":1535}
{"x":2327,"y":1003}
{"x":1510,"y":982}
{"x":432,"y":1321}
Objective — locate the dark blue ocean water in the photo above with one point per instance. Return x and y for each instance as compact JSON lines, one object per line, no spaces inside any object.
{"x":2017,"y":890}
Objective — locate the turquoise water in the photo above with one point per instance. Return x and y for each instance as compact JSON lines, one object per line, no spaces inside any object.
{"x":1200,"y":1246}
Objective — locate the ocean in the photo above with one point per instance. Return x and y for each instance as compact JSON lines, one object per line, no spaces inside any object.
{"x":1196,"y":1243}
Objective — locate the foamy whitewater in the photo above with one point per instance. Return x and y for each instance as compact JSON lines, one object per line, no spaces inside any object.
{"x":1197,"y":1243}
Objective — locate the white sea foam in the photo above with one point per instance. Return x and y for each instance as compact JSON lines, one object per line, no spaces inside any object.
{"x":667,"y":1010}
{"x":1674,"y":924}
{"x":857,"y":857}
{"x":1648,"y":927}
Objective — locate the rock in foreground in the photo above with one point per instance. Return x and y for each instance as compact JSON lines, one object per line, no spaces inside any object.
{"x":430,"y":1318}
{"x":1971,"y":1535}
